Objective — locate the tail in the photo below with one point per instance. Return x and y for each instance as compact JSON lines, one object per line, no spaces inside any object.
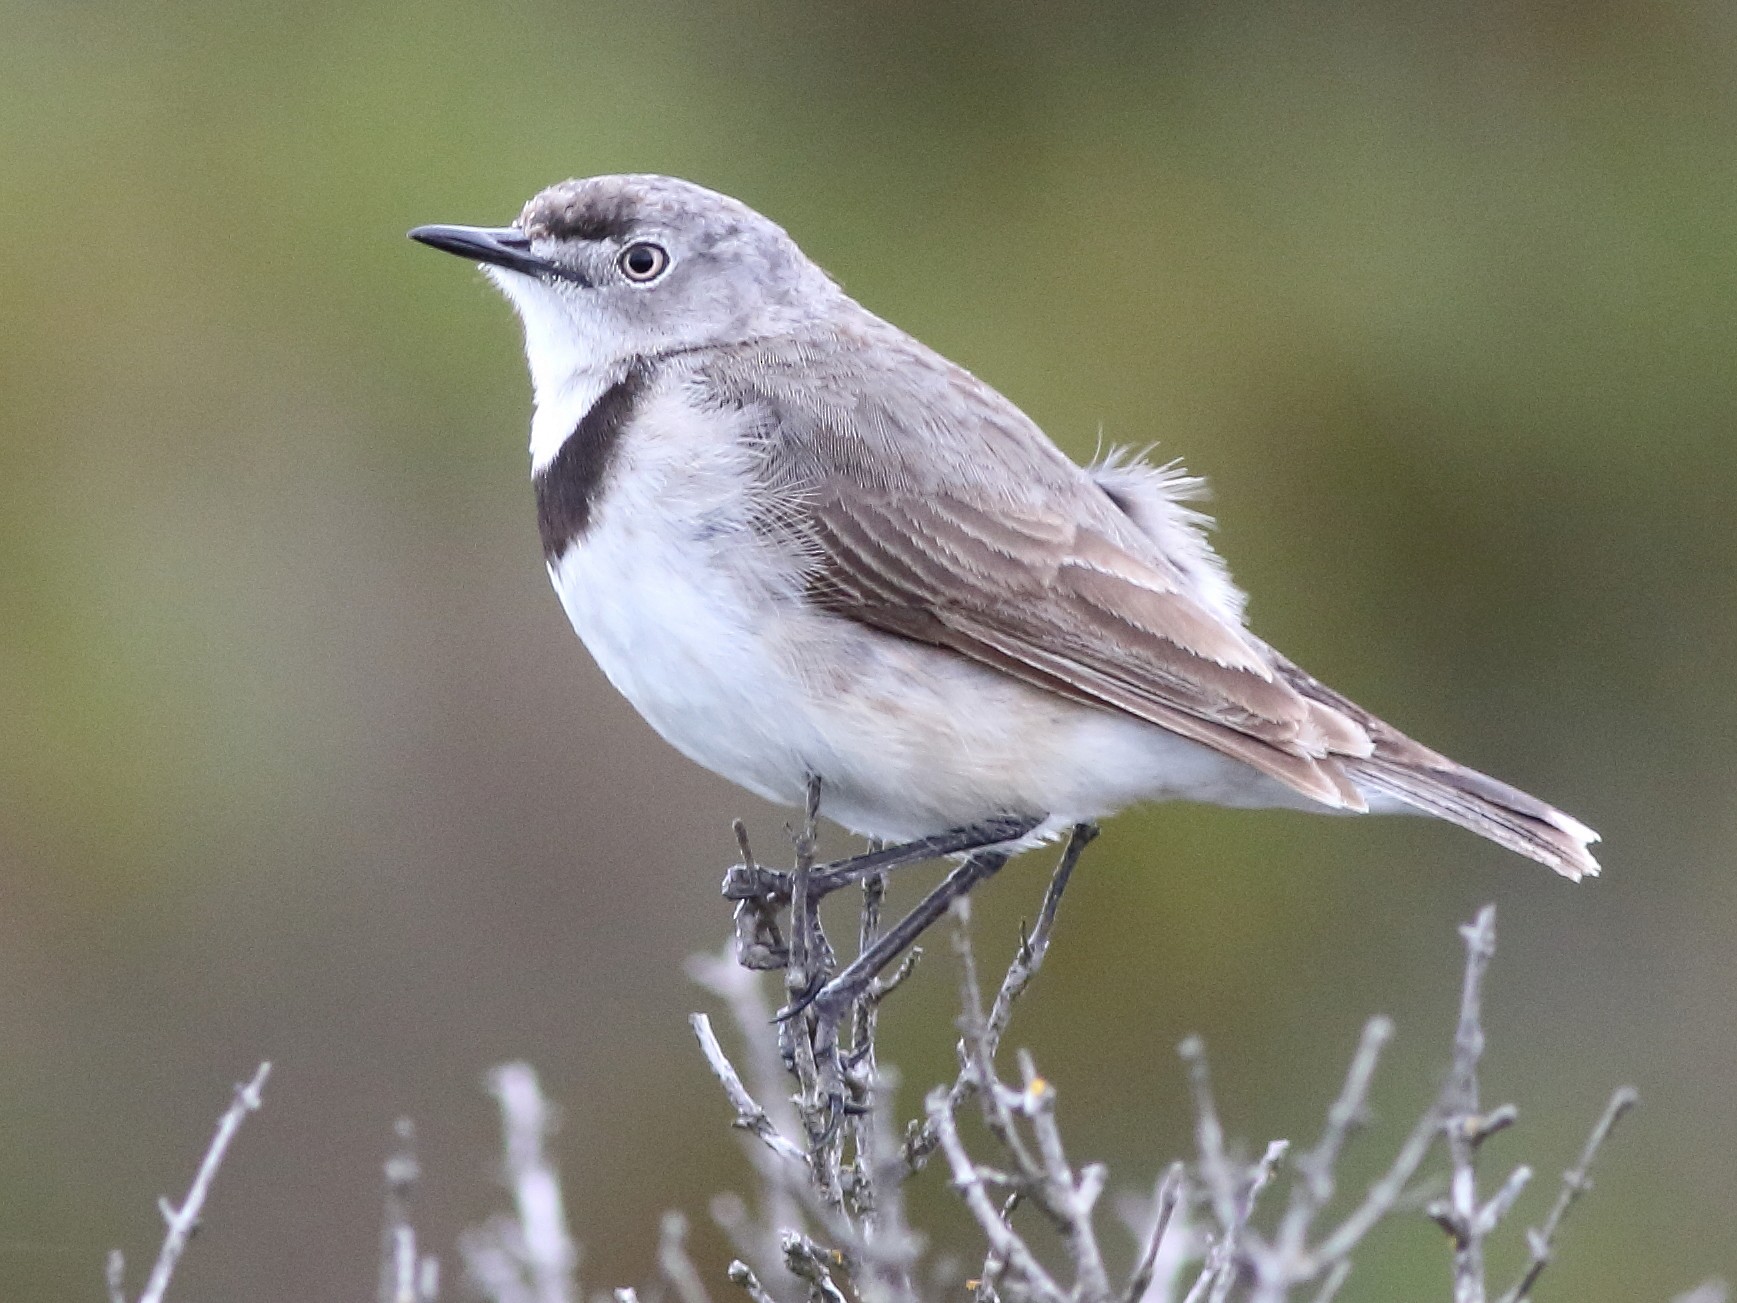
{"x":1411,"y":773}
{"x":1506,"y":815}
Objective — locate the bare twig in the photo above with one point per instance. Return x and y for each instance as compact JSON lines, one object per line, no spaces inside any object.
{"x":750,"y":1116}
{"x":1335,"y":1281}
{"x":181,"y":1222}
{"x":1288,"y":1262}
{"x":1216,"y":1170}
{"x":1467,"y":1221}
{"x":889,"y":1248}
{"x":1027,"y":960}
{"x":530,"y":1258}
{"x":740,"y":1273}
{"x":756,"y":1238}
{"x":1386,"y":1193}
{"x":1170,"y":1188}
{"x":811,"y":1263}
{"x":1008,"y":1246}
{"x":1576,"y":1181}
{"x":853,"y":1194}
{"x":673,"y":1261}
{"x":1070,"y":1200}
{"x":404,"y":1276}
{"x":1316,"y":1167}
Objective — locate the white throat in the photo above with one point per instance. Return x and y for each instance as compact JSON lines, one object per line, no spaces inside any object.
{"x":571,"y":363}
{"x":558,"y":413}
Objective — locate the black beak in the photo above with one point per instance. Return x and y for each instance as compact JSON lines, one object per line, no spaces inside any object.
{"x":501,"y":246}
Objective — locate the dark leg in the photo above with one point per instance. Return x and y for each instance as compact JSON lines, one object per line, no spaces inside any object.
{"x":836,"y":996}
{"x":750,"y":881}
{"x":819,"y":1000}
{"x":826,"y":1006}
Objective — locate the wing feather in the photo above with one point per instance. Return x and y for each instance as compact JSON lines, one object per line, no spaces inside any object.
{"x":1034,"y":596}
{"x":919,"y":501}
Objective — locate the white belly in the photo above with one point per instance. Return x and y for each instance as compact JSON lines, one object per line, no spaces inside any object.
{"x":683,"y":646}
{"x":907,"y":739}
{"x":698,"y":624}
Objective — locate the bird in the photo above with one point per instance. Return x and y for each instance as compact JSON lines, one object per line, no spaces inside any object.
{"x":814,"y":553}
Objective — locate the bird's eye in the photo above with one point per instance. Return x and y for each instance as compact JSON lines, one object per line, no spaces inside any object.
{"x":643,"y":261}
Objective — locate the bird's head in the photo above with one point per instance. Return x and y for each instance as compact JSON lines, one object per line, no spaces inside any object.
{"x":609,"y":269}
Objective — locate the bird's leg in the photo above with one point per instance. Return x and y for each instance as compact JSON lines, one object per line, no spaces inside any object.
{"x":835,"y":996}
{"x":827,"y":1006}
{"x":818,"y":881}
{"x":755,"y":882}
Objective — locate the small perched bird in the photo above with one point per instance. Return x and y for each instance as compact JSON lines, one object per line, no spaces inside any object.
{"x":805,"y":546}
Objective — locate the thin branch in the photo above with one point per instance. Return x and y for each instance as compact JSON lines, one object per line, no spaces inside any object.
{"x":404,"y":1277}
{"x":742,"y":1275}
{"x":1027,"y":960}
{"x":1215,"y":1166}
{"x":1460,"y":1213}
{"x":1072,"y":1200}
{"x":1169,"y":1194}
{"x":781,"y":1198}
{"x":673,"y":1260}
{"x":980,"y":1054}
{"x":1346,"y":1114}
{"x":966,"y":1179}
{"x":549,"y":1257}
{"x":1385,"y":1194}
{"x":1335,"y":1281}
{"x":181,"y":1222}
{"x":1289,"y":1263}
{"x":987,"y":1287}
{"x":812,"y":1264}
{"x":1576,"y":1181}
{"x":750,"y":1116}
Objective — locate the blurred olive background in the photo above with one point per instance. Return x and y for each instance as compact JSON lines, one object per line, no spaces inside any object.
{"x":299,"y":759}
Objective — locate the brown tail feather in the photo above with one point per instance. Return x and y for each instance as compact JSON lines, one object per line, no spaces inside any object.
{"x":1489,"y":808}
{"x":1426,"y":780}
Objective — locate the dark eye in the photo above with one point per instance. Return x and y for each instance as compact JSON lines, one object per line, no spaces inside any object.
{"x":643,"y":261}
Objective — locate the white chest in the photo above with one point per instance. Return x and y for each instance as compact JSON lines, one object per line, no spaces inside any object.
{"x":663,"y":591}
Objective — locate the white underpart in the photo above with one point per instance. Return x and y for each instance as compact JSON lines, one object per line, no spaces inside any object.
{"x":705,"y":631}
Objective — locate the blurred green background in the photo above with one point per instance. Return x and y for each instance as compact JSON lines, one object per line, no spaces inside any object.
{"x":299,"y":759}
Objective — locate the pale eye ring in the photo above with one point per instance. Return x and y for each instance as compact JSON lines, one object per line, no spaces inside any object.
{"x":643,"y":261}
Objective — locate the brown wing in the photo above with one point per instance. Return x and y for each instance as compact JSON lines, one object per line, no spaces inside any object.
{"x":925,"y":504}
{"x":1062,"y":606}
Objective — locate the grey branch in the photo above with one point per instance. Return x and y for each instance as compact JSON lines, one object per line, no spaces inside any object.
{"x":1170,"y":1189}
{"x":1467,"y":1221}
{"x":750,"y":1116}
{"x":1008,"y":1246}
{"x":1576,"y":1181}
{"x":181,"y":1222}
{"x":673,"y":1261}
{"x":405,"y":1277}
{"x":531,"y":1257}
{"x":742,"y":1274}
{"x":841,"y":1176}
{"x":1027,"y":960}
{"x":811,"y":1263}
